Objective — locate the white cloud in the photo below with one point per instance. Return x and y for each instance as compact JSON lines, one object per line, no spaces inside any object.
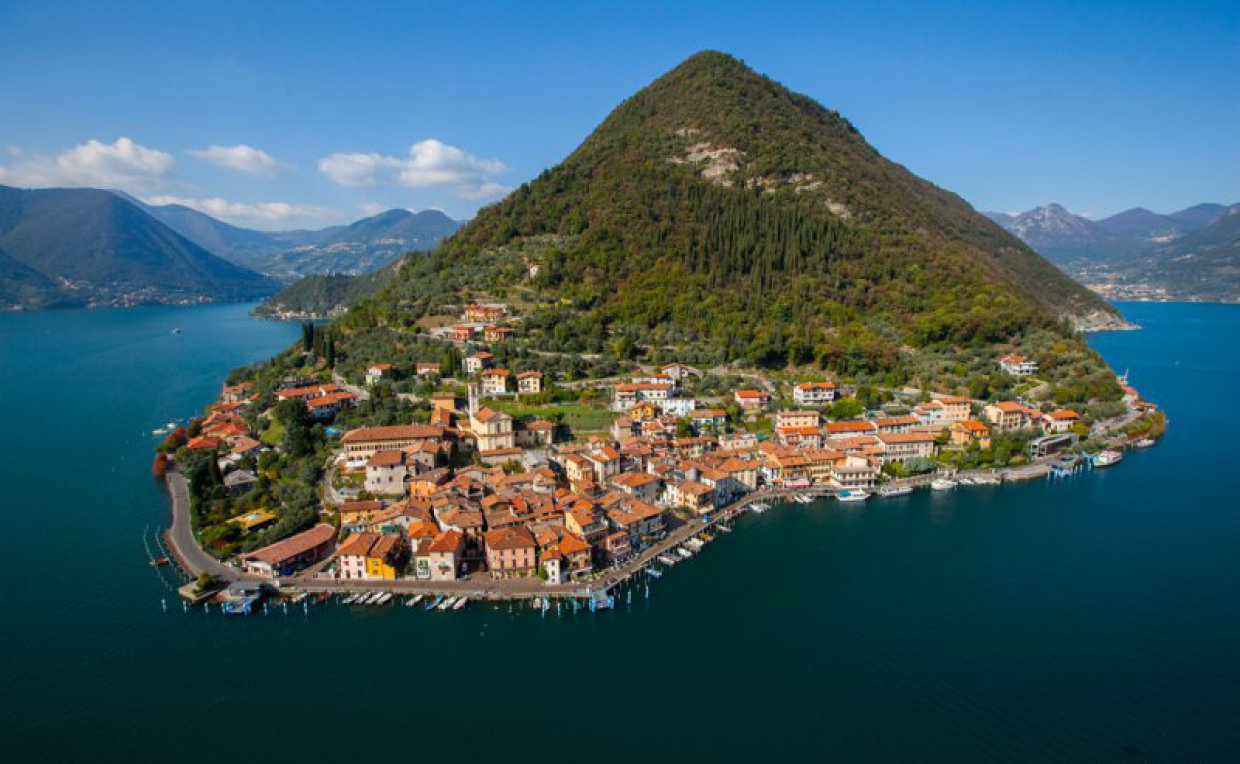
{"x":123,"y":164}
{"x":430,"y":163}
{"x":244,"y":158}
{"x":356,"y":169}
{"x":370,"y":209}
{"x":260,"y":214}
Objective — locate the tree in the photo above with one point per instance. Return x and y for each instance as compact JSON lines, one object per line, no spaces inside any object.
{"x":204,"y":582}
{"x":846,"y":408}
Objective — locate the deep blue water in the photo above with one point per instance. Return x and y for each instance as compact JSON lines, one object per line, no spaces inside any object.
{"x":1093,"y":620}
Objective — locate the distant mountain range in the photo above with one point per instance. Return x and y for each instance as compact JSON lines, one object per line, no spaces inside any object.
{"x":360,"y":247}
{"x":81,"y":246}
{"x":66,"y":247}
{"x":1192,"y":254}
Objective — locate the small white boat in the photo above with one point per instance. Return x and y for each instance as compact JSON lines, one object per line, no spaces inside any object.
{"x":889,"y":491}
{"x":349,"y":600}
{"x":384,"y":598}
{"x":986,"y":480}
{"x":415,"y":600}
{"x":852,"y":496}
{"x":1144,"y":443}
{"x":460,"y":603}
{"x":942,"y":484}
{"x":685,"y":553}
{"x":668,"y":560}
{"x":1108,"y":458}
{"x":447,"y":603}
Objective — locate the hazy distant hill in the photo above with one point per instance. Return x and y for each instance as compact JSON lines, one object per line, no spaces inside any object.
{"x":1139,"y":254}
{"x":85,"y":246}
{"x":360,"y":247}
{"x":1059,"y":235}
{"x":364,"y":246}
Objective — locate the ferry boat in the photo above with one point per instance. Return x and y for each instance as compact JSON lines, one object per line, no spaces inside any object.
{"x":852,"y":496}
{"x":888,"y":491}
{"x":460,"y":603}
{"x":942,"y":484}
{"x":1107,"y":458}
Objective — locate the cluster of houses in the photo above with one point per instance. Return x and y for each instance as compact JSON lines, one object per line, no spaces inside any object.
{"x":476,"y":492}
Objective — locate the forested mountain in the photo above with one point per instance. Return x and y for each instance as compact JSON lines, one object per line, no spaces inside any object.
{"x":718,"y":215}
{"x":1139,"y":254}
{"x":323,"y":295}
{"x":86,"y":246}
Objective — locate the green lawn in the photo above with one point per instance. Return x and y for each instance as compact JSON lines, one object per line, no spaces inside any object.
{"x":578,"y":418}
{"x":274,"y":434}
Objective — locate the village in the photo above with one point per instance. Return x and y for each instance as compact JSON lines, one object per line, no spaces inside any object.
{"x":522,"y":504}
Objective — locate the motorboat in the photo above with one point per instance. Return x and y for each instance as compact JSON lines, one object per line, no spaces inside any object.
{"x":852,"y":496}
{"x":1108,"y":458}
{"x":889,"y":491}
{"x":942,"y":484}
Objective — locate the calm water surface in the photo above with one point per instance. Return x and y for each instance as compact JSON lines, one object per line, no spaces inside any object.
{"x":1094,"y":620}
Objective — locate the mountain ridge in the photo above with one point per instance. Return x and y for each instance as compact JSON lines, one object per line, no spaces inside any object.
{"x":1188,"y":254}
{"x":359,"y":247}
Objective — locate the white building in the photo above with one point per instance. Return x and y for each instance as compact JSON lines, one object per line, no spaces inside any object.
{"x":677,"y":407}
{"x":1018,"y":365}
{"x":813,"y":393}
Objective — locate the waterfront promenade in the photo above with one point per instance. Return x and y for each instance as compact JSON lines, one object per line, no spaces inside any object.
{"x":193,"y":559}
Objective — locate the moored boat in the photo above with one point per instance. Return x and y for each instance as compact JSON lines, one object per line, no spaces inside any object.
{"x":888,"y":491}
{"x":1108,"y":458}
{"x":852,"y":496}
{"x":942,"y":484}
{"x":460,"y":603}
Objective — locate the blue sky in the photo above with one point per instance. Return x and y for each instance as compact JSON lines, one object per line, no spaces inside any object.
{"x":278,"y":115}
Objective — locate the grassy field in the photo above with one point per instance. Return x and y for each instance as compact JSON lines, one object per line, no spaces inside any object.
{"x":577,"y":417}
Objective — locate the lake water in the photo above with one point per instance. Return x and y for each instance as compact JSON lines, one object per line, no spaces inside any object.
{"x":1093,"y":620}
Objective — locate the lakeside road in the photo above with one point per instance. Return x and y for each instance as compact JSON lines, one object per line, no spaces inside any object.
{"x":179,"y":536}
